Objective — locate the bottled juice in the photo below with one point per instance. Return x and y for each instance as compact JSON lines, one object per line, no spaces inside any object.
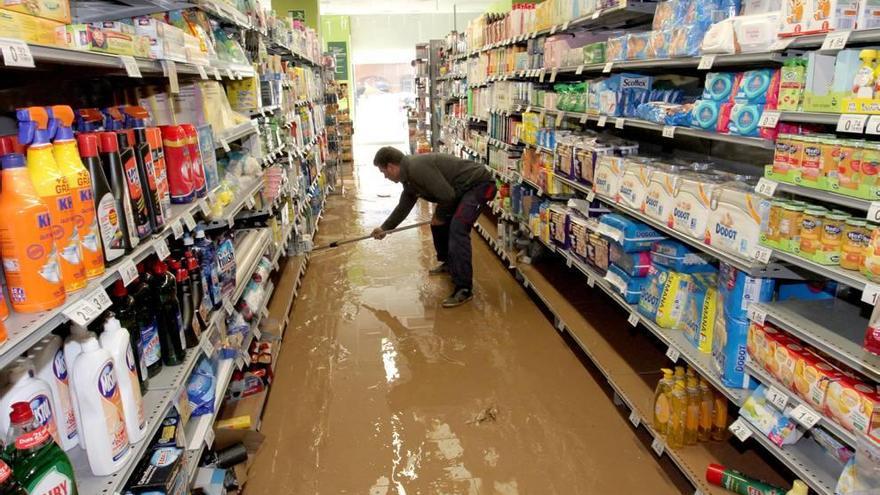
{"x":80,"y":181}
{"x":30,"y":261}
{"x":52,"y":186}
{"x":719,"y":418}
{"x":704,"y":433}
{"x":661,"y":401}
{"x":692,"y":417}
{"x":676,"y":426}
{"x":38,"y":463}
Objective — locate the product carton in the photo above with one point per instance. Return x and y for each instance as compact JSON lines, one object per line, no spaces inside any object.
{"x":53,"y":10}
{"x":812,"y":375}
{"x":95,"y":38}
{"x":786,"y":357}
{"x":758,"y":342}
{"x":166,"y":41}
{"x":28,"y":28}
{"x":819,"y":95}
{"x":853,"y":404}
{"x":818,"y":16}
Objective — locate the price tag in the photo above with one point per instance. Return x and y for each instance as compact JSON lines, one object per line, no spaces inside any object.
{"x":81,"y":312}
{"x":568,"y":261}
{"x":559,"y":117}
{"x":658,"y":446}
{"x":257,"y":332}
{"x":541,"y":75}
{"x":669,"y":131}
{"x":238,"y":75}
{"x":189,"y":221}
{"x":565,"y":25}
{"x":127,"y":271}
{"x":229,"y":74}
{"x":227,"y":305}
{"x":633,"y":319}
{"x":762,"y":254}
{"x":591,"y":282}
{"x":553,"y":29}
{"x":579,"y":70}
{"x":206,"y":210}
{"x":246,"y":357}
{"x":16,"y":53}
{"x":171,"y":72}
{"x":805,"y":416}
{"x":769,"y":119}
{"x":706,"y":62}
{"x":591,"y":196}
{"x":596,"y":14}
{"x":239,"y":362}
{"x":177,"y":229}
{"x":776,"y":397}
{"x":131,"y":66}
{"x":99,"y":299}
{"x":601,"y":122}
{"x":673,"y":354}
{"x":618,"y":122}
{"x":209,"y":437}
{"x":608,"y":67}
{"x":250,"y":202}
{"x":528,"y":109}
{"x":202,"y":72}
{"x":852,"y":123}
{"x":534,"y":33}
{"x":225,"y":145}
{"x":540,"y":191}
{"x":634,"y":418}
{"x":553,"y":74}
{"x":870,"y":293}
{"x":217,"y":75}
{"x":756,"y":314}
{"x":835,"y":41}
{"x":766,"y":187}
{"x":560,"y":326}
{"x":583,"y":119}
{"x":740,"y":430}
{"x":781,"y":44}
{"x":161,"y":248}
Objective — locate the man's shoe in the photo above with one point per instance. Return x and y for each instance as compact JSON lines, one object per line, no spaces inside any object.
{"x":439,"y":269}
{"x":459,"y":297}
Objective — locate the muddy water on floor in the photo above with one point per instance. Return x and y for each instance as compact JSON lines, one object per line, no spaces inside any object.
{"x":380,"y":391}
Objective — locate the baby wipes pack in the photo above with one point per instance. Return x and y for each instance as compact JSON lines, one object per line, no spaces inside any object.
{"x":632,"y":235}
{"x":729,"y":351}
{"x":735,"y":218}
{"x":628,"y":287}
{"x":690,"y":208}
{"x":701,"y":311}
{"x":737,"y":290}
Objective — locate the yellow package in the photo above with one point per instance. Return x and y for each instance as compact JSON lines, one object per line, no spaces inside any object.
{"x":671,"y":311}
{"x":28,"y":28}
{"x":53,"y":10}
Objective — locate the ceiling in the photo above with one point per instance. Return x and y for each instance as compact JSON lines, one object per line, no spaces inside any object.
{"x":366,"y":7}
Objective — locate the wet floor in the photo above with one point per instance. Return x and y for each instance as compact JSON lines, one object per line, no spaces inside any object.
{"x":380,"y":391}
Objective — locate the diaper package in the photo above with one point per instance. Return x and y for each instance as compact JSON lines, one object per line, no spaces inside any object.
{"x":679,"y":257}
{"x":664,"y":297}
{"x":633,"y":264}
{"x":701,"y":311}
{"x":579,"y":237}
{"x":763,"y":415}
{"x":632,"y":235}
{"x":737,"y":290}
{"x":607,"y":175}
{"x":558,"y":220}
{"x":634,"y":183}
{"x":685,"y":40}
{"x":637,"y":45}
{"x":690,"y":210}
{"x":660,"y":196}
{"x":615,"y":49}
{"x":735,"y":219}
{"x":628,"y":287}
{"x":658,"y":42}
{"x":664,"y":15}
{"x":729,"y":350}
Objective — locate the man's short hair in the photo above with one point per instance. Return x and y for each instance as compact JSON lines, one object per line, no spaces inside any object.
{"x":386,"y":155}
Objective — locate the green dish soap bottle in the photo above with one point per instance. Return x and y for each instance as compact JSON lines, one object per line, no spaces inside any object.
{"x":38,"y":463}
{"x":8,"y":485}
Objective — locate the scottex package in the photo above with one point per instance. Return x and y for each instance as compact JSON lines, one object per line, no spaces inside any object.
{"x":632,"y":235}
{"x":629,"y":287}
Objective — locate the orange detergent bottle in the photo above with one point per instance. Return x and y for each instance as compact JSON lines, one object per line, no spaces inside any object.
{"x":71,"y":166}
{"x":35,"y":130}
{"x":30,"y":261}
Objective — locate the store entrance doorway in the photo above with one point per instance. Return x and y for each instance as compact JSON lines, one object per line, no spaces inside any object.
{"x":383,"y":92}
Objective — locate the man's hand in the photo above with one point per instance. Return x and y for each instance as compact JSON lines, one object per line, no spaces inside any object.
{"x":378,"y":233}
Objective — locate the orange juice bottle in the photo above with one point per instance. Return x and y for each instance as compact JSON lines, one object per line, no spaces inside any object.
{"x":35,"y":130}
{"x":69,"y":163}
{"x":30,"y":261}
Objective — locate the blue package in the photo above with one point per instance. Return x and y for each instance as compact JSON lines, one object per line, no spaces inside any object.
{"x":729,"y":351}
{"x":806,"y":291}
{"x":736,"y":291}
{"x":686,"y":40}
{"x":637,"y":45}
{"x":200,"y":389}
{"x":628,"y":287}
{"x":632,"y":235}
{"x":705,"y":114}
{"x":681,"y":11}
{"x":744,"y":119}
{"x":634,"y":264}
{"x":755,"y":86}
{"x":665,"y":113}
{"x":225,"y":266}
{"x":719,"y":86}
{"x":649,"y":300}
{"x":676,"y":256}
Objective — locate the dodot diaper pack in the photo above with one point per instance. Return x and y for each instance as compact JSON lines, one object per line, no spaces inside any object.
{"x":735,"y":220}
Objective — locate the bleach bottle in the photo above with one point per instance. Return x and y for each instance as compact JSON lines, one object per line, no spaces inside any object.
{"x":117,"y":341}
{"x":24,"y":387}
{"x":103,"y":420}
{"x":49,"y":366}
{"x":72,"y":350}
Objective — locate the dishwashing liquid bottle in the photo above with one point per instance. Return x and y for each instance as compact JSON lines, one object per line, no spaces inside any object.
{"x":117,"y":341}
{"x":49,"y":366}
{"x":72,"y":349}
{"x":22,"y":386}
{"x":661,"y":401}
{"x":704,"y":433}
{"x":719,"y":418}
{"x":36,"y":129}
{"x":38,"y":463}
{"x":675,"y":429}
{"x":692,"y":417}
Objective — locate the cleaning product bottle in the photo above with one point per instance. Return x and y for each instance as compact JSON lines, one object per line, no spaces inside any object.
{"x":109,"y":208}
{"x":24,"y":387}
{"x":38,"y":464}
{"x":103,"y":420}
{"x":197,"y":291}
{"x":170,"y":321}
{"x":136,"y":128}
{"x":136,"y":188}
{"x":719,"y":418}
{"x":30,"y":263}
{"x":679,"y":374}
{"x":71,"y":166}
{"x":863,"y":81}
{"x":692,"y":417}
{"x":8,"y":484}
{"x":112,"y":161}
{"x":4,"y":310}
{"x":148,"y":322}
{"x":798,"y":488}
{"x":707,"y":399}
{"x":35,"y":129}
{"x":198,"y":170}
{"x":662,"y":407}
{"x":184,"y":299}
{"x":154,"y":139}
{"x":72,"y":349}
{"x":49,"y":366}
{"x":126,"y":312}
{"x":178,"y":164}
{"x":206,"y":252}
{"x":676,"y":426}
{"x":89,"y":120}
{"x":737,"y":482}
{"x":117,"y":341}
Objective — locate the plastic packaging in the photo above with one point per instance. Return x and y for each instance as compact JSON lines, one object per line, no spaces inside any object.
{"x":200,"y":389}
{"x":131,"y":194}
{"x":49,"y":366}
{"x":662,"y":407}
{"x":171,"y":331}
{"x":632,"y":235}
{"x":116,"y":341}
{"x":178,"y":164}
{"x":72,"y":349}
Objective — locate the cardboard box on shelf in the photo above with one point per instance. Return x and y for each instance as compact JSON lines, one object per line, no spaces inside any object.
{"x":53,"y":10}
{"x":104,"y":40}
{"x":166,"y":41}
{"x":28,"y":28}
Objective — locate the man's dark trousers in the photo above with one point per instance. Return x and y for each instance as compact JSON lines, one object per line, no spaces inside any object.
{"x":452,"y":240}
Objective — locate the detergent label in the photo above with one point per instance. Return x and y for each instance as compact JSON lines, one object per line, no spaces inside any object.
{"x":65,"y":416}
{"x":110,"y":227}
{"x":53,"y":483}
{"x":153,"y":187}
{"x":150,"y":344}
{"x":66,"y":235}
{"x":33,"y":438}
{"x":42,"y":409}
{"x":114,"y":418}
{"x":135,"y":387}
{"x":87,"y":225}
{"x":136,"y":196}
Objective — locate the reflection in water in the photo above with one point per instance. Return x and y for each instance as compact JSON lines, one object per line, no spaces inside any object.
{"x":389,"y":356}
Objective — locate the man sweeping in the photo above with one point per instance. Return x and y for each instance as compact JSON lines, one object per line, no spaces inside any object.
{"x":460,"y":188}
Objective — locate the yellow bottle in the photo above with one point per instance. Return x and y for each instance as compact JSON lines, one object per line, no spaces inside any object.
{"x":675,"y":428}
{"x":34,"y":129}
{"x":798,"y":488}
{"x":692,"y":416}
{"x":704,"y":433}
{"x":679,"y":374}
{"x":80,"y":181}
{"x":719,"y":418}
{"x":661,"y":401}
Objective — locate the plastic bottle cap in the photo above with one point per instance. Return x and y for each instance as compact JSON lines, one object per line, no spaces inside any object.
{"x":112,"y":324}
{"x":714,"y":474}
{"x":160,"y":268}
{"x":78,"y":329}
{"x":109,"y":144}
{"x":119,"y":289}
{"x":90,"y":344}
{"x":12,"y":160}
{"x":87,"y":144}
{"x":9,"y":144}
{"x":21,"y":413}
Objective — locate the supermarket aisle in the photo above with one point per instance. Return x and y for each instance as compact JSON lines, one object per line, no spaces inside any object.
{"x":378,"y":390}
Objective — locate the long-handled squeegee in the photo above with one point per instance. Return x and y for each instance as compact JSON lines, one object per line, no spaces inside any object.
{"x":368,"y":236}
